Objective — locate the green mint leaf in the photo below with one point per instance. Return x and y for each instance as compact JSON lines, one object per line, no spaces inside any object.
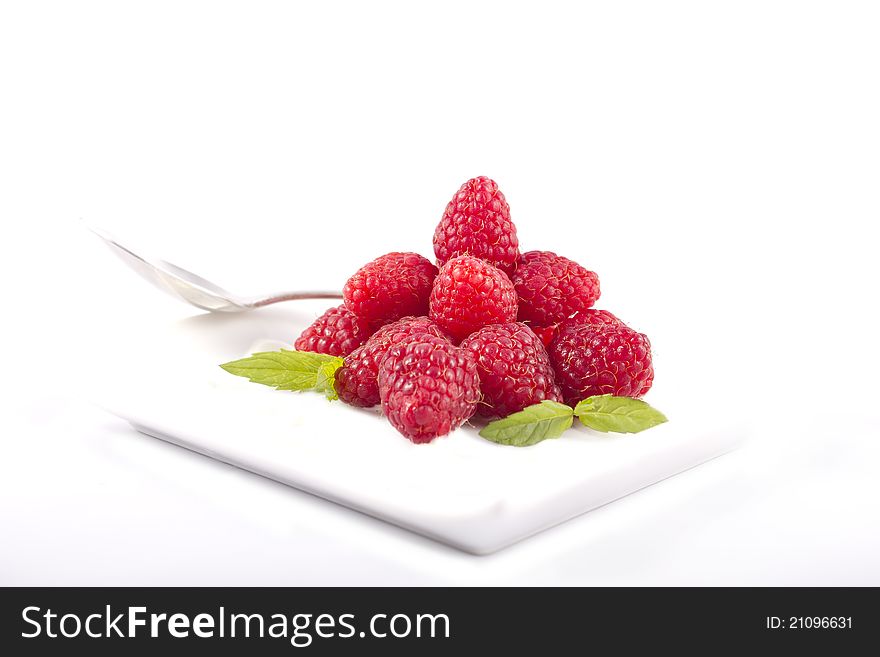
{"x":618,"y":414}
{"x":326,"y":380}
{"x":288,"y":370}
{"x":548,"y":419}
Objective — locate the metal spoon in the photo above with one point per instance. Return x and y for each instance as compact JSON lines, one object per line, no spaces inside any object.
{"x":194,"y":289}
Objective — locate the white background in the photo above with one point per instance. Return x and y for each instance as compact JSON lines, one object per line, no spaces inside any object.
{"x":716,"y":163}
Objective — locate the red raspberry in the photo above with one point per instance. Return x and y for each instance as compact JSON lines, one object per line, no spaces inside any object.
{"x":477,"y":223}
{"x":546,"y":333}
{"x":588,"y":316}
{"x":337,"y":332}
{"x":470,"y":293}
{"x":595,"y":316}
{"x":390,"y":287}
{"x":592,"y":317}
{"x":428,"y":387}
{"x":552,"y":288}
{"x":601,"y":359}
{"x":356,"y":380}
{"x":515,"y":370}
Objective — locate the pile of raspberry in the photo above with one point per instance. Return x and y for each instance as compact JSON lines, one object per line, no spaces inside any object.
{"x":487,"y":331}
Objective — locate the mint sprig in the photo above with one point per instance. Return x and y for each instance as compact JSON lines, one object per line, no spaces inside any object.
{"x":289,"y":370}
{"x":305,"y":370}
{"x":325,"y":381}
{"x":549,"y":419}
{"x":618,"y":414}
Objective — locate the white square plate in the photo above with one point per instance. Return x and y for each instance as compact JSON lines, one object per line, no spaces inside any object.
{"x":460,"y":489}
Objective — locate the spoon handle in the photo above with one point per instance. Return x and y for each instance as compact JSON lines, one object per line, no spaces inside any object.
{"x":294,"y":296}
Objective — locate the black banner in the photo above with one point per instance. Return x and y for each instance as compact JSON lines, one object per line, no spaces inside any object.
{"x":115,"y":621}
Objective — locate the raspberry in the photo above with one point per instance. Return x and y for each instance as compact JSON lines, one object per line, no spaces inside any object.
{"x":428,"y":387}
{"x":470,"y":293}
{"x":552,"y":288}
{"x":599,"y":359}
{"x":515,"y":370}
{"x":337,"y":332}
{"x":546,"y":333}
{"x":356,"y":380}
{"x":477,"y":223}
{"x":588,"y":316}
{"x":390,"y":287}
{"x":595,"y":316}
{"x":592,"y":317}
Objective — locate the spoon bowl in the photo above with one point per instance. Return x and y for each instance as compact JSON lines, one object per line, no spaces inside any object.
{"x":194,"y":289}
